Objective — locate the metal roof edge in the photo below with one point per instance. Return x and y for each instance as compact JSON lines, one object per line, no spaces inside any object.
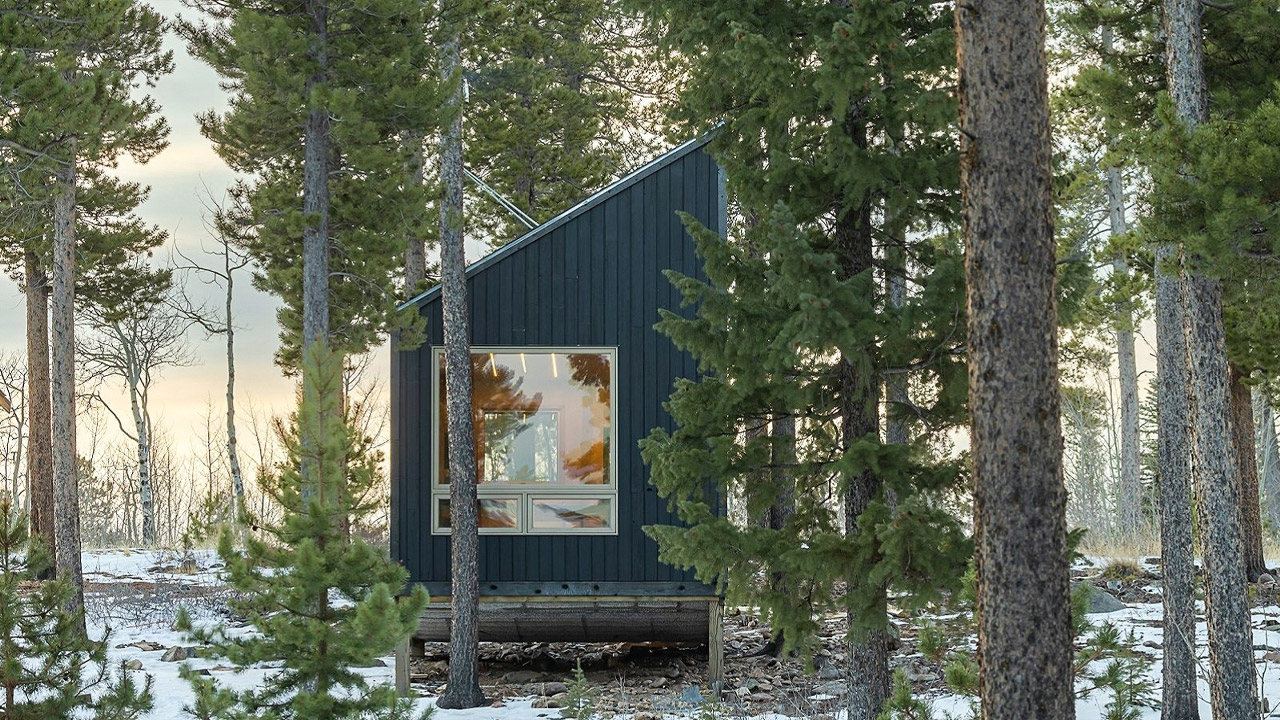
{"x":586,"y":204}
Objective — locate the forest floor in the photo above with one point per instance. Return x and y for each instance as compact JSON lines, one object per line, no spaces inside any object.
{"x":136,"y":594}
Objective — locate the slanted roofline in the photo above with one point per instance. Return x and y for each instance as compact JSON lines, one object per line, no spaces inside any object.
{"x":605,"y":193}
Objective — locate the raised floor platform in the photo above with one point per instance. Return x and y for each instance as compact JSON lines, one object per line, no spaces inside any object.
{"x":582,"y":619}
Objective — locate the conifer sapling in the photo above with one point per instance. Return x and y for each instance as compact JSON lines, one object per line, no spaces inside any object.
{"x":320,"y":603}
{"x":48,"y":667}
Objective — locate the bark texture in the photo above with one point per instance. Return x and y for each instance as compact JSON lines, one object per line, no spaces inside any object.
{"x":1177,"y":564}
{"x":39,"y":448}
{"x":1268,"y":457}
{"x":66,"y":492}
{"x":233,"y":455}
{"x":315,"y":192}
{"x":464,"y":632}
{"x":415,"y":251}
{"x":1126,"y":357}
{"x":1246,"y":452}
{"x":1232,"y":690}
{"x":868,"y":673}
{"x":142,"y":431}
{"x":1023,"y":608}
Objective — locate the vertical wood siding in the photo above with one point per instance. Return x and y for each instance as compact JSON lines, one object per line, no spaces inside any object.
{"x":594,"y":280}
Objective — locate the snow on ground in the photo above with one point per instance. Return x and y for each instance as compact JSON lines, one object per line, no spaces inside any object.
{"x":136,"y":595}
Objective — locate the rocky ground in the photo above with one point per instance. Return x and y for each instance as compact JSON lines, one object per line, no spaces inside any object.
{"x":138,"y":595}
{"x":648,"y":679}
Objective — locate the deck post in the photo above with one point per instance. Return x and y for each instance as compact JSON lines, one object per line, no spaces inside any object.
{"x":715,"y":647}
{"x":402,"y":667}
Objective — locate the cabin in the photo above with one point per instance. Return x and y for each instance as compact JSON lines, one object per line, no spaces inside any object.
{"x":569,"y":375}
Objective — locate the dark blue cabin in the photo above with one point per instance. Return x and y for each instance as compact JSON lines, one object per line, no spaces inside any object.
{"x":569,"y":376}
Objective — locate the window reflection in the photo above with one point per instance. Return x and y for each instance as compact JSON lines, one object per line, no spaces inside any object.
{"x":541,"y":418}
{"x":493,"y":513}
{"x":568,"y":513}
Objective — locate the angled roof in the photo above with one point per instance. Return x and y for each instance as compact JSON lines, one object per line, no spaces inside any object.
{"x":607,"y":192}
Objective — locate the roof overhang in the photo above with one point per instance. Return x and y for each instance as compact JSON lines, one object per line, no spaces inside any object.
{"x":605,"y":193}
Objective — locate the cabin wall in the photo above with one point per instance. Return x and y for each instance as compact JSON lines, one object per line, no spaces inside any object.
{"x":596,"y":281}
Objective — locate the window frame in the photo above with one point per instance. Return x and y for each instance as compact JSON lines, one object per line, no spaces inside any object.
{"x":528,"y":492}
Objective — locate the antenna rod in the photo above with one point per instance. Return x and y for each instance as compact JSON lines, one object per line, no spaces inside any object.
{"x":517,"y":212}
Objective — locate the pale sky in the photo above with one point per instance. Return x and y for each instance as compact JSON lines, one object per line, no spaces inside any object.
{"x":181,"y":178}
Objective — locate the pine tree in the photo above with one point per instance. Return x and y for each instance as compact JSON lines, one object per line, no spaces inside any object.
{"x":827,"y":112}
{"x":555,"y":86}
{"x":464,"y":602}
{"x":69,"y":72}
{"x":323,"y":96}
{"x":1023,"y":607}
{"x":321,"y":603}
{"x":48,"y":667}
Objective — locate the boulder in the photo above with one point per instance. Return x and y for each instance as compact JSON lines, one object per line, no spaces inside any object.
{"x":1101,"y":601}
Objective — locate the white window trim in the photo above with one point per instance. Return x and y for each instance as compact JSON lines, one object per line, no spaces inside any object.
{"x":526,"y":492}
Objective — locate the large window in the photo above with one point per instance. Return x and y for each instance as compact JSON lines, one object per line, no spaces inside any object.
{"x":543,"y":421}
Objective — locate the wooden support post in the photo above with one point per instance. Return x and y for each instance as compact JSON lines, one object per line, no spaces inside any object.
{"x":402,"y":668}
{"x":715,"y":647}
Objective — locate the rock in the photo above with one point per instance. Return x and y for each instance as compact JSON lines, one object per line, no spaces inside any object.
{"x":692,"y":696}
{"x":133,"y":664}
{"x":1271,"y":657}
{"x":658,"y":683}
{"x":673,"y":672}
{"x":546,"y":689}
{"x":836,"y":688}
{"x":1101,"y":601}
{"x":177,"y":653}
{"x":547,"y":702}
{"x":921,"y":675}
{"x":829,"y":672}
{"x":1266,"y":579}
{"x":742,"y":691}
{"x":760,"y":697}
{"x":522,"y":677}
{"x":143,"y":645}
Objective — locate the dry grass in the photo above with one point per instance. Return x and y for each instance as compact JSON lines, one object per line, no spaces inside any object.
{"x":1147,"y":545}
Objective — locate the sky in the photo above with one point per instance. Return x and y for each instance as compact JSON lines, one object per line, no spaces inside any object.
{"x":183,"y":178}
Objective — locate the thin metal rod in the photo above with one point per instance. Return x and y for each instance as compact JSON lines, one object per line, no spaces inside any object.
{"x":517,"y":212}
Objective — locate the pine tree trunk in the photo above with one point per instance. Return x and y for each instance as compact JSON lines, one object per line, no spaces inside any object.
{"x":464,"y":630}
{"x":868,"y":664}
{"x":896,"y":431}
{"x":39,"y":448}
{"x":1246,"y":453}
{"x":1126,"y":356}
{"x":1177,"y":564}
{"x":1023,"y":609}
{"x":783,"y":429}
{"x":415,"y":251}
{"x":66,"y":494}
{"x":1231,"y":681}
{"x":1268,"y":457}
{"x":315,"y":193}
